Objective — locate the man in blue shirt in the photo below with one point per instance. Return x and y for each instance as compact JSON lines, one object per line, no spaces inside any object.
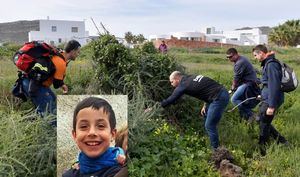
{"x":244,"y":82}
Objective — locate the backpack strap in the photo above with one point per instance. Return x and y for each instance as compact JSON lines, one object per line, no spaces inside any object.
{"x":272,"y":60}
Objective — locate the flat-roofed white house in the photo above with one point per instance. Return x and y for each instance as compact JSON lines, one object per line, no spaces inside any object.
{"x":246,"y":36}
{"x":191,"y":36}
{"x":252,"y":36}
{"x":57,"y":32}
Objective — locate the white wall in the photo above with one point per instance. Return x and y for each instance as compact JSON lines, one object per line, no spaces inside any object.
{"x":63,"y":32}
{"x":197,"y":36}
{"x":157,"y":37}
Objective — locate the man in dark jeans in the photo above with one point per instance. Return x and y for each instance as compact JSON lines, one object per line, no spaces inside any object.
{"x":271,"y":94}
{"x":244,"y":79}
{"x":206,"y":89}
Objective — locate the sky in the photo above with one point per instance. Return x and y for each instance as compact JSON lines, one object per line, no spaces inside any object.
{"x":155,"y":16}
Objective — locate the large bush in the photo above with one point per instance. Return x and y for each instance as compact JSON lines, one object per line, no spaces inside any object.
{"x":129,"y":71}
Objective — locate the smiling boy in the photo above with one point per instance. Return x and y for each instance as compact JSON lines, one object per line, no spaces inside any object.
{"x":94,"y":129}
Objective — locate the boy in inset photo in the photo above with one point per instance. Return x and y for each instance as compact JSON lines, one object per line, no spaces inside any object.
{"x":94,"y":130}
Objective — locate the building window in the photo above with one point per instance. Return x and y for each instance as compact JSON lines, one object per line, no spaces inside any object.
{"x":74,"y":29}
{"x":59,"y":40}
{"x":53,"y":29}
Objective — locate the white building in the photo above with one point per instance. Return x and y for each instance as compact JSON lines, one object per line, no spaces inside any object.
{"x":192,"y":36}
{"x":56,"y":32}
{"x":247,"y":36}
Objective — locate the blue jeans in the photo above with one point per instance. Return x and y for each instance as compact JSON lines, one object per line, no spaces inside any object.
{"x":245,"y":109}
{"x":44,"y":99}
{"x":214,"y":111}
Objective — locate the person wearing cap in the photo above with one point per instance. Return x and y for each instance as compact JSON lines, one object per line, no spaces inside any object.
{"x":244,"y":82}
{"x":214,"y":95}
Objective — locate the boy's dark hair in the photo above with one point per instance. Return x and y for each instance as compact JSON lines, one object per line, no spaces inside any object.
{"x":72,"y":45}
{"x":95,"y":103}
{"x":261,"y":48}
{"x":231,"y":51}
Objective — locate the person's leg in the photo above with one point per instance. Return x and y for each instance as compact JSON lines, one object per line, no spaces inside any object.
{"x":25,"y":84}
{"x":52,"y":103}
{"x":44,"y":99}
{"x":264,"y":127}
{"x":276,"y":135}
{"x":239,"y":96}
{"x":214,"y":114}
{"x":273,"y":132}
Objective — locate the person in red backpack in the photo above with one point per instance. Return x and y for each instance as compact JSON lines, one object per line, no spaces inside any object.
{"x":41,"y":94}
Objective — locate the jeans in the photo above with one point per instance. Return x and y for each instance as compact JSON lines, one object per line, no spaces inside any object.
{"x":214,"y":111}
{"x":245,"y":109}
{"x":44,"y":99}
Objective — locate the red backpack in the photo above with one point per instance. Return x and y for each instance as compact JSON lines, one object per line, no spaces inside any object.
{"x":33,"y":52}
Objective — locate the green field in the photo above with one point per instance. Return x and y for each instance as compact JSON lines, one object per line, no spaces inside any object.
{"x":169,"y":142}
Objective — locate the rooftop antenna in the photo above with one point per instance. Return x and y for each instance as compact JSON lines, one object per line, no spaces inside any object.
{"x":95,"y":26}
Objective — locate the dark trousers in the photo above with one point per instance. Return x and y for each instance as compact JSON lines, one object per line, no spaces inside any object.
{"x":266,"y":128}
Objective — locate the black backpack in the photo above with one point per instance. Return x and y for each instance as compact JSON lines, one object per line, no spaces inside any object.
{"x":289,"y":81}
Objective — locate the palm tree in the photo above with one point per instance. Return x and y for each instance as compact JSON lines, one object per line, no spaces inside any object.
{"x":287,"y":34}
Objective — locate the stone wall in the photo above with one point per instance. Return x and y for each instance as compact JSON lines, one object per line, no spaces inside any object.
{"x":17,"y":32}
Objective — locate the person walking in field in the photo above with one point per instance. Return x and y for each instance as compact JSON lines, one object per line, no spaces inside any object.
{"x":214,"y":95}
{"x":40,"y":94}
{"x":271,"y":94}
{"x":245,"y":82}
{"x":163,"y":48}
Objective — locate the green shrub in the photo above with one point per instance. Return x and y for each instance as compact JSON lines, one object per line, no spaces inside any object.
{"x":27,"y":145}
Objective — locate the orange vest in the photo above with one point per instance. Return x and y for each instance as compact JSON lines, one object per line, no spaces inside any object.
{"x":60,"y":70}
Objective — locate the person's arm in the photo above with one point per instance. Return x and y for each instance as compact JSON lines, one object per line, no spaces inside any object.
{"x":203,"y":110}
{"x":238,"y":75}
{"x":274,"y":83}
{"x":178,"y":92}
{"x":59,"y":74}
{"x":57,"y":83}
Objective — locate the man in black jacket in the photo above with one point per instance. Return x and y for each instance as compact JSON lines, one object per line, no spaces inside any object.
{"x":206,"y":89}
{"x":271,"y":94}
